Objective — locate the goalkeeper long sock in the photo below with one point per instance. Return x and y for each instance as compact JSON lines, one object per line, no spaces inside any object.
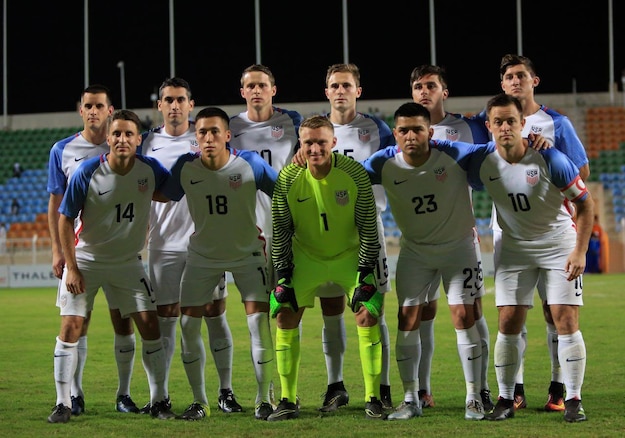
{"x":371,"y":359}
{"x":288,"y":358}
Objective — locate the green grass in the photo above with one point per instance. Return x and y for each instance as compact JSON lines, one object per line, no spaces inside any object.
{"x":30,"y":323}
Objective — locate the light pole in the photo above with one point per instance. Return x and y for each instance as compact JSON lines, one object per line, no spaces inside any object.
{"x":122,"y":79}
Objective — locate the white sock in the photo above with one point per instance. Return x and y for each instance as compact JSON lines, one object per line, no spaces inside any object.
{"x":408,"y":356}
{"x":334,"y":340}
{"x":194,"y":356}
{"x":552,"y":345}
{"x":153,"y":356}
{"x":64,"y":368}
{"x":81,"y":359}
{"x":262,"y":352}
{"x":522,"y":345}
{"x":426,"y":330}
{"x":470,"y":353}
{"x":482,"y":328}
{"x":220,"y":342}
{"x":507,"y":360}
{"x":572,"y":355}
{"x":125,"y":358}
{"x":385,"y":376}
{"x":167,"y":325}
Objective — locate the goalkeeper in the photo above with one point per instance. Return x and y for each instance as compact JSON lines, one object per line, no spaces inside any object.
{"x":324,"y":227}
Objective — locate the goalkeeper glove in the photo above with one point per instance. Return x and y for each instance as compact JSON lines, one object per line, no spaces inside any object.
{"x":366,"y":294}
{"x":282,"y":294}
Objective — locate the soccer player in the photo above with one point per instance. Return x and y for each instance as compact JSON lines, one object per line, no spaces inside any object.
{"x":540,"y":242}
{"x":269,"y":131}
{"x":65,"y":156}
{"x":358,"y":136}
{"x":428,"y":84}
{"x":325,"y":230}
{"x":519,"y":79}
{"x":171,"y":226}
{"x":110,"y":195}
{"x":220,"y":185}
{"x":428,"y":194}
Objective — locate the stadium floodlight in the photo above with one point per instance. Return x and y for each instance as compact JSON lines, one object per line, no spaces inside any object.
{"x":122,"y":80}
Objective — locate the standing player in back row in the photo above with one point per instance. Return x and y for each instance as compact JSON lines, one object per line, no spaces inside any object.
{"x":428,"y":84}
{"x":358,"y":136}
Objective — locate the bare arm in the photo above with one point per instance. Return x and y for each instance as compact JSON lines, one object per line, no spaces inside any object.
{"x":74,"y":280}
{"x":576,"y":262}
{"x":58,"y":261}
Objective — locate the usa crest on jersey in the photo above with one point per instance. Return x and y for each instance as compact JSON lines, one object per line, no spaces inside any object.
{"x":277,"y":132}
{"x":451,"y":134}
{"x":364,"y":135}
{"x":440,"y":174}
{"x":235,"y":181}
{"x":531,"y":176}
{"x":143,"y":184}
{"x":342,"y":197}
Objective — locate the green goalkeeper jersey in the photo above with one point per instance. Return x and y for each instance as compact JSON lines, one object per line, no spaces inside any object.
{"x":325,"y":218}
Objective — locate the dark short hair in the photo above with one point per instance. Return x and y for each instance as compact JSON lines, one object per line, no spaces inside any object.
{"x":213,"y":111}
{"x":259,"y":68}
{"x":510,"y":60}
{"x":124,"y":114}
{"x":98,"y":89}
{"x":428,"y":69}
{"x":503,"y":99}
{"x":412,"y":109}
{"x":176,"y":83}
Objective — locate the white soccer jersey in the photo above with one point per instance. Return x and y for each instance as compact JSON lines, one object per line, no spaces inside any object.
{"x":528,"y":195}
{"x":455,"y":127}
{"x":115,"y":208}
{"x":275,"y":140}
{"x":361,"y":138}
{"x":425,"y":201}
{"x":65,"y":156}
{"x":222,"y":204}
{"x":170,"y":222}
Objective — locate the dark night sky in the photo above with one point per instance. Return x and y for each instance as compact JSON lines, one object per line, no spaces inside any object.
{"x":215,"y":41}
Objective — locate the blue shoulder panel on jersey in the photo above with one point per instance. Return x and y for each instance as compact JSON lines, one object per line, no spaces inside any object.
{"x":561,"y":169}
{"x":57,"y":180}
{"x":161,"y":174}
{"x":374,"y":164}
{"x":78,"y":187}
{"x":264,"y":175}
{"x":172,"y":187}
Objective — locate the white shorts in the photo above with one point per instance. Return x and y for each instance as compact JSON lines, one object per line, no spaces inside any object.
{"x":201,"y":285}
{"x":420,"y":268}
{"x":522,"y":264}
{"x":126,"y":287}
{"x":166,"y":269}
{"x":435,"y":289}
{"x":382,"y":274}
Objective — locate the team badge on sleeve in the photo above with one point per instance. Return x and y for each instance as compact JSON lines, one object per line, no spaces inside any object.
{"x":235,"y":181}
{"x":143,"y":184}
{"x":342,"y":197}
{"x":532,"y":176}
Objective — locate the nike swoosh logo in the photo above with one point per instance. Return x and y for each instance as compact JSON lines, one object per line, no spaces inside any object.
{"x":399,"y":182}
{"x":302,"y":200}
{"x":284,"y":349}
{"x":504,"y":365}
{"x":104,"y":193}
{"x":239,"y":134}
{"x":473,"y":294}
{"x":221,"y":349}
{"x":568,"y":359}
{"x":80,"y":159}
{"x":157,"y":149}
{"x":578,"y":294}
{"x":473,"y":358}
{"x":196,"y":182}
{"x":127,"y":351}
{"x":263,"y":362}
{"x":382,"y":283}
{"x":185,"y":362}
{"x":152,"y":352}
{"x":403,"y":360}
{"x":376,"y":343}
{"x":494,"y":178}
